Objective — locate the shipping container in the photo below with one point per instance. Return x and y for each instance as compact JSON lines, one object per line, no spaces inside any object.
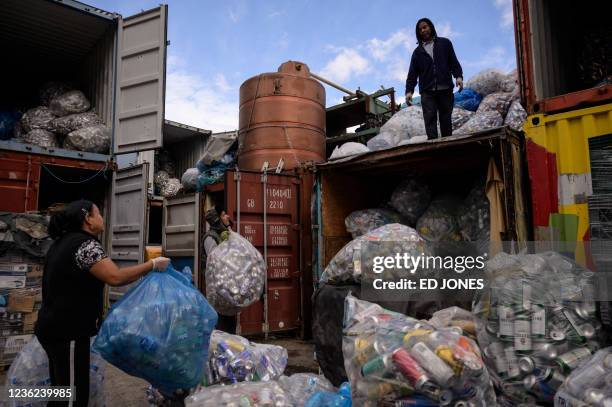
{"x":560,"y":151}
{"x":119,"y":63}
{"x":450,"y":165}
{"x":276,"y":222}
{"x":563,"y":54}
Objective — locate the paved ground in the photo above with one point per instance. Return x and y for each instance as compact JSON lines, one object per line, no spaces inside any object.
{"x":127,"y":391}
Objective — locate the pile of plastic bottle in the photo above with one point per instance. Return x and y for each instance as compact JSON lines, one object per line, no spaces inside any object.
{"x":394,"y":358}
{"x":302,"y":386}
{"x":251,"y":394}
{"x":590,"y":384}
{"x":159,"y":331}
{"x":536,"y":323}
{"x":234,"y":359}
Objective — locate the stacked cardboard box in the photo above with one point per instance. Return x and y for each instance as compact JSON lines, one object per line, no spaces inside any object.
{"x":20,"y":300}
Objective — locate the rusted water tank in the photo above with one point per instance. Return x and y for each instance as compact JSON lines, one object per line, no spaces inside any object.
{"x":282,"y":114}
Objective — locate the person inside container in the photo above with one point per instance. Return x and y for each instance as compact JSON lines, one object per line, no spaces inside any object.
{"x":75,"y":271}
{"x":433,"y":64}
{"x":218,"y":231}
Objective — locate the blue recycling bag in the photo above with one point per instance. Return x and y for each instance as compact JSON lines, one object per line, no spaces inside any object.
{"x":330,"y":399}
{"x":159,"y":331}
{"x":8,"y":120}
{"x":468,"y":99}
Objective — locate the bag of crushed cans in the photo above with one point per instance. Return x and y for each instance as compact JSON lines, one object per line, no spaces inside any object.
{"x":301,"y":386}
{"x":404,"y":125}
{"x":235,"y":273}
{"x":361,"y":222}
{"x":391,"y":357}
{"x":498,"y":101}
{"x":487,"y":81}
{"x":536,"y":323}
{"x":345,"y":266}
{"x":233,"y":359}
{"x":480,"y":121}
{"x":590,"y":384}
{"x":410,"y":198}
{"x":515,"y":119}
{"x":251,"y":394}
{"x":439,"y":222}
{"x":455,"y":316}
{"x":31,"y":368}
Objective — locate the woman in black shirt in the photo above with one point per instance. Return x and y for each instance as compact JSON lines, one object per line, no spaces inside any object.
{"x":76,"y":270}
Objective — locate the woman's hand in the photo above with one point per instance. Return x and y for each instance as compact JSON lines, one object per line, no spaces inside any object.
{"x":160,"y":263}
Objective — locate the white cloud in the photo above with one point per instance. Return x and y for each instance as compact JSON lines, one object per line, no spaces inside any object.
{"x":496,"y":57}
{"x":507,"y":17}
{"x":233,"y":16}
{"x":445,"y":30}
{"x":398,"y":69}
{"x":206,"y":104}
{"x":381,"y":49}
{"x":347,"y":64}
{"x":275,"y":14}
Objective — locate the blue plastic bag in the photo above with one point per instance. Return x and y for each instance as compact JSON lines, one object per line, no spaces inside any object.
{"x":329,"y":399}
{"x":468,"y":99}
{"x":7,"y":124}
{"x":159,"y":331}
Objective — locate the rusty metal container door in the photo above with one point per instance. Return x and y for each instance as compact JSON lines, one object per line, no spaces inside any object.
{"x":278,"y":239}
{"x":19,"y":182}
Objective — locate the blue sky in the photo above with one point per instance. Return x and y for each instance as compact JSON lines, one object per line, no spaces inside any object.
{"x":215,"y":46}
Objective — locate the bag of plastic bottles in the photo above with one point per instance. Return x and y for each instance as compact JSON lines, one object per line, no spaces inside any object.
{"x":301,"y":386}
{"x":361,"y":222}
{"x":68,"y":124}
{"x":51,"y":90}
{"x":389,"y":356}
{"x":345,"y":266}
{"x":94,"y":139}
{"x":252,"y":394}
{"x":405,"y":124}
{"x":211,"y":175}
{"x":341,"y":398}
{"x":481,"y":121}
{"x":474,"y":218}
{"x":234,"y":359}
{"x":468,"y":99}
{"x":235,"y":273}
{"x":31,"y":369}
{"x":590,"y":384}
{"x":189,"y":180}
{"x":486,"y":82}
{"x":71,"y":102}
{"x":510,"y":82}
{"x":159,"y":331}
{"x":42,"y":138}
{"x":536,"y":322}
{"x":439,"y":222}
{"x":348,"y":149}
{"x":411,"y":198}
{"x":498,"y":101}
{"x":515,"y":119}
{"x":8,"y":120}
{"x":37,"y":118}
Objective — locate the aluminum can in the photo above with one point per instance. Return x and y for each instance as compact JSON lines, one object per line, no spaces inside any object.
{"x":409,"y":368}
{"x":571,"y":360}
{"x":439,"y":371}
{"x":538,"y":321}
{"x":522,"y":333}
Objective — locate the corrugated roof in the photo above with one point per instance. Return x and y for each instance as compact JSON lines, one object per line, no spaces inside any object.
{"x":175,"y":132}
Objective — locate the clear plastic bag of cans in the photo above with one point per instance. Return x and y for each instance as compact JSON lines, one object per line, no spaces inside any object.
{"x":404,"y":125}
{"x":251,"y":394}
{"x":481,"y":121}
{"x":487,"y":81}
{"x":51,"y":90}
{"x":459,"y":117}
{"x":71,"y":102}
{"x":170,"y":188}
{"x":31,"y":369}
{"x":536,"y":323}
{"x":516,"y":116}
{"x":159,"y":331}
{"x":301,"y":386}
{"x":590,"y":384}
{"x":68,"y":124}
{"x":37,"y":118}
{"x":411,"y":198}
{"x":498,"y":101}
{"x":93,"y":139}
{"x":345,"y":266}
{"x":233,"y":359}
{"x":235,"y":273}
{"x":361,"y":222}
{"x":439,"y":221}
{"x":348,"y":149}
{"x":189,"y":180}
{"x":42,"y":138}
{"x":390,"y":357}
{"x":455,"y":316}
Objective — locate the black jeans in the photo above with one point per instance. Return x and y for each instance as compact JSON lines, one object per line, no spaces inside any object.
{"x":58,"y":352}
{"x":438,"y":103}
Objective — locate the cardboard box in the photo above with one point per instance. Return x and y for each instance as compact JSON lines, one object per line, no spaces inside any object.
{"x":10,"y":279}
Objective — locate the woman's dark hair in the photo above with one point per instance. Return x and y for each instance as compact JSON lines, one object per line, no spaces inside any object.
{"x":433,"y":29}
{"x":69,"y":219}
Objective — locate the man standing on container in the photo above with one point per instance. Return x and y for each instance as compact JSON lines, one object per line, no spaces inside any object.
{"x":432,"y":64}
